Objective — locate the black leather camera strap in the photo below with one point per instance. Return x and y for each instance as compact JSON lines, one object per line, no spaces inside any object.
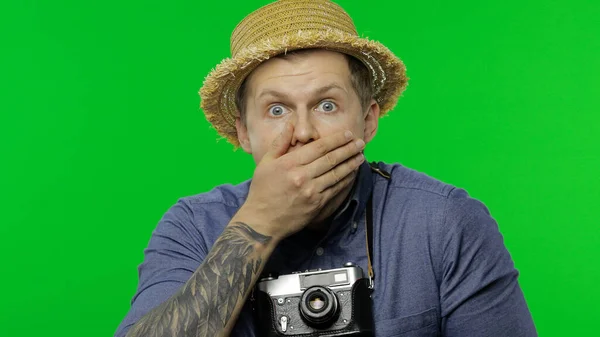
{"x":369,"y":223}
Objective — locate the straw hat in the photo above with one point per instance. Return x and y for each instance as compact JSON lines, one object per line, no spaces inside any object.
{"x":288,"y":25}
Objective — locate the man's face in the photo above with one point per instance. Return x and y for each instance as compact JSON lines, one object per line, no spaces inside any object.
{"x":313,"y":91}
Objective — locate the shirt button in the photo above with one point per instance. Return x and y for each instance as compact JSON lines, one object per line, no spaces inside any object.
{"x":320,"y":251}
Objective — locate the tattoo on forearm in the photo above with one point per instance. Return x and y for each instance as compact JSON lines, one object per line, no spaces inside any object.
{"x":206,"y":303}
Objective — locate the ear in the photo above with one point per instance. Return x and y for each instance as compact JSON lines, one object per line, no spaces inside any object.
{"x":371,"y":121}
{"x":242,"y":134}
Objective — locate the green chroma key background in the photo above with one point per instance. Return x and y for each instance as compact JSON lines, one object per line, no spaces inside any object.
{"x":101,"y":132}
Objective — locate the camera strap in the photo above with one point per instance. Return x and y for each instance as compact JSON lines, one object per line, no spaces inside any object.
{"x":369,"y":224}
{"x":369,"y":237}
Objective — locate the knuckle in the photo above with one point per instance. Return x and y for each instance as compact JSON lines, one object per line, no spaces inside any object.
{"x":298,"y":180}
{"x":335,"y":176}
{"x":321,"y":148}
{"x":318,"y":200}
{"x":308,"y":193}
{"x":331,"y":159}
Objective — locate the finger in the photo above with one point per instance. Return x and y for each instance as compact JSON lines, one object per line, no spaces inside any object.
{"x":339,"y":173}
{"x":336,"y":188}
{"x":317,"y":149}
{"x":282,"y":142}
{"x":333,"y":158}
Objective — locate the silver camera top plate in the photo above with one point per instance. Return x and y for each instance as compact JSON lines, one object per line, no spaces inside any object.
{"x":296,"y":283}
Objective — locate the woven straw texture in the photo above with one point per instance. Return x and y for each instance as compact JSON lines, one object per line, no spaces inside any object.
{"x":288,"y":25}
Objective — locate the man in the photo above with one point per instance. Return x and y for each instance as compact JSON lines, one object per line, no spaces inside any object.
{"x":303,"y":95}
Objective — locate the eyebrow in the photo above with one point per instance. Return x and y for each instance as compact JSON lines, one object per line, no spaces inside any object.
{"x":318,"y":91}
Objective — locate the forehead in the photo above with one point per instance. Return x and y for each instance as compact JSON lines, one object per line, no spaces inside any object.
{"x":306,"y":65}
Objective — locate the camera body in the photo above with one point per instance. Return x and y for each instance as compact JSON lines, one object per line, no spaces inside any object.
{"x":333,"y":302}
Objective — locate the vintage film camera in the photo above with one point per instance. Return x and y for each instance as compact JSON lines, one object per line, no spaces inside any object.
{"x":333,"y":302}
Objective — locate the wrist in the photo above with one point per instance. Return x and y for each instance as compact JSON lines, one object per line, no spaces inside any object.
{"x":259,"y":223}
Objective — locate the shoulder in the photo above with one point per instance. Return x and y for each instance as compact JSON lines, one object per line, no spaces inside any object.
{"x":214,"y":209}
{"x":218,"y":202}
{"x":227,"y":195}
{"x":410,"y":179}
{"x":409,"y":189}
{"x":415,"y":190}
{"x":438,"y":217}
{"x":201,"y":218}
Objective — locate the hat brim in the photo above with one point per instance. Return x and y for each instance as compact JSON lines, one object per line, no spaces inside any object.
{"x":220,"y":86}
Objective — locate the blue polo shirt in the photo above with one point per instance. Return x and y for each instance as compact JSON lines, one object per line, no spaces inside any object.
{"x":441,"y":267}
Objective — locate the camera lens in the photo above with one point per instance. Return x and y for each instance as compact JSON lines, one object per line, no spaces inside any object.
{"x":316,"y":302}
{"x":319,"y":306}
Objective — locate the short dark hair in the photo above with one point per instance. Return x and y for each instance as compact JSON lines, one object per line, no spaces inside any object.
{"x":360,"y":77}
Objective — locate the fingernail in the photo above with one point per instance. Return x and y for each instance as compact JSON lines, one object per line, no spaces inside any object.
{"x":348,"y":135}
{"x":360,"y":158}
{"x":360,"y":144}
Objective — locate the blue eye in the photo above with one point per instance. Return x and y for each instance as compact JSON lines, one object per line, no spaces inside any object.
{"x":276,"y":110}
{"x":327,"y":106}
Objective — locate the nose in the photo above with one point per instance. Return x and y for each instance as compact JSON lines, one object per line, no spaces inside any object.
{"x":304,"y":129}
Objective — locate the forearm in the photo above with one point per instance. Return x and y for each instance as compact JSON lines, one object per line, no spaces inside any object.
{"x":210,"y":301}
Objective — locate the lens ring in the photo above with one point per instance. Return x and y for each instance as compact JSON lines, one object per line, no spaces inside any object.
{"x":318,"y":306}
{"x":317,"y":301}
